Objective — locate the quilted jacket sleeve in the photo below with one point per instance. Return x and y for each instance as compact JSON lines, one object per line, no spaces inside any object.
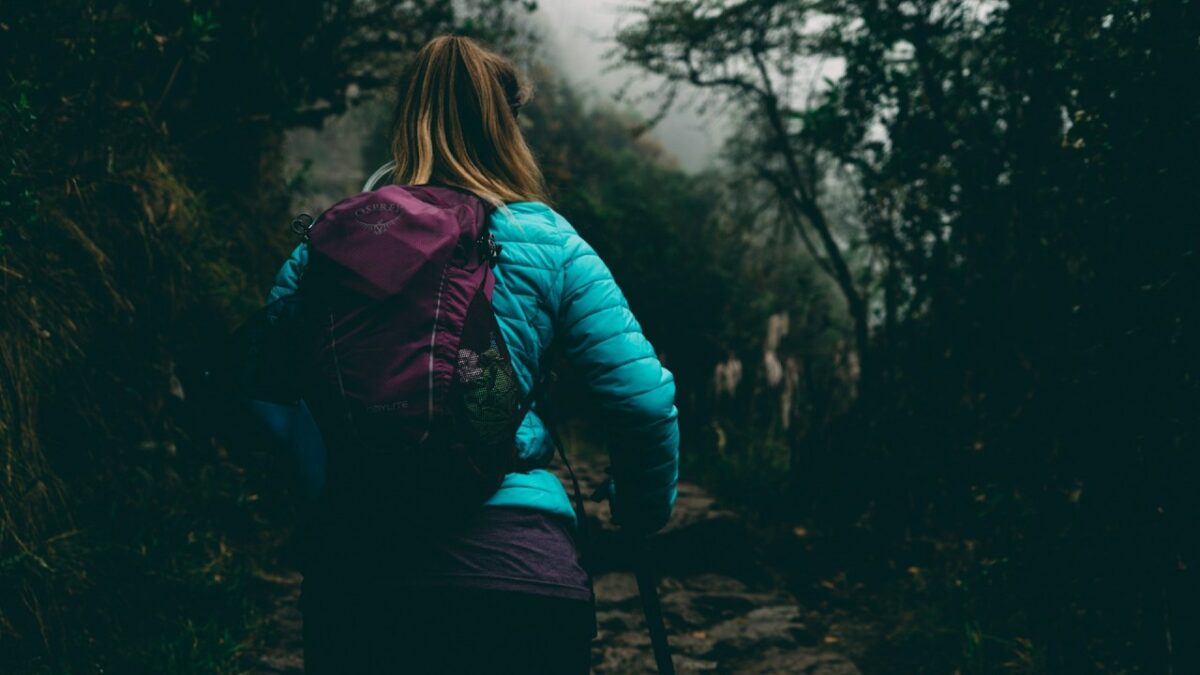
{"x":287,"y":280}
{"x":605,"y":343}
{"x":290,"y":428}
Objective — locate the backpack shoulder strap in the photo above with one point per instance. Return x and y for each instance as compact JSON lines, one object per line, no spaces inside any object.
{"x":548,"y":422}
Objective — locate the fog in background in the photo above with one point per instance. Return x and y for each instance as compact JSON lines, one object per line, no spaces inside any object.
{"x":580,"y":32}
{"x":325,"y":165}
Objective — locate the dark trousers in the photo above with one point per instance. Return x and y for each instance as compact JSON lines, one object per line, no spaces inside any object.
{"x":443,"y":630}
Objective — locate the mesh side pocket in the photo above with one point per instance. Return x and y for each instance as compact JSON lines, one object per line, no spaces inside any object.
{"x":489,"y":391}
{"x":485,"y":394}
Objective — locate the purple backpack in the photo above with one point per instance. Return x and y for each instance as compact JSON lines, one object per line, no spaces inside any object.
{"x":407,"y":373}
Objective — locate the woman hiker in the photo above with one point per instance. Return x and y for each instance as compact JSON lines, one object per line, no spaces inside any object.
{"x":400,"y":575}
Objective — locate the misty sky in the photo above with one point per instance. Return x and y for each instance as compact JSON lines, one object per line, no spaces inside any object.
{"x":579,"y":33}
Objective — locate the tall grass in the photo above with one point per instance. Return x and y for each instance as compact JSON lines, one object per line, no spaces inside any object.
{"x":125,"y":531}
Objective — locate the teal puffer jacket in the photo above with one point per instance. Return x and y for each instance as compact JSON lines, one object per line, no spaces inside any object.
{"x":551,"y":286}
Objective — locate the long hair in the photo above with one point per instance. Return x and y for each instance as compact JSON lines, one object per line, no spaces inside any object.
{"x":456,"y":123}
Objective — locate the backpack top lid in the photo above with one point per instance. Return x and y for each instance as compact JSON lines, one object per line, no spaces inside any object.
{"x":379,"y":240}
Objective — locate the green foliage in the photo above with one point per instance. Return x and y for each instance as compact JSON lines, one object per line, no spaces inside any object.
{"x":141,"y":178}
{"x":1019,"y":177}
{"x":1014,"y":203}
{"x":17,"y":118}
{"x":162,"y":572}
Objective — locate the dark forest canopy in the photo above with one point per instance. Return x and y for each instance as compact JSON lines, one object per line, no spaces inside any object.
{"x":937,"y":308}
{"x":1028,"y":245}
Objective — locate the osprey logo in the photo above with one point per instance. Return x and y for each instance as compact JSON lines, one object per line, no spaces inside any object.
{"x":377,"y":216}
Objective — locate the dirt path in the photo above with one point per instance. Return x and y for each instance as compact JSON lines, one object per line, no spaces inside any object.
{"x":724,"y":607}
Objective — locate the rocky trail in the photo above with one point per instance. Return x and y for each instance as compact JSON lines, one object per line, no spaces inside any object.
{"x":725,"y":608}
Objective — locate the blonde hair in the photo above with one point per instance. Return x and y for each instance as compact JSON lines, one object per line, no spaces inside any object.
{"x":456,"y":123}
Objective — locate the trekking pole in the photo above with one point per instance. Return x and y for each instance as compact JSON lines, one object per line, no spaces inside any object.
{"x":647,"y":582}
